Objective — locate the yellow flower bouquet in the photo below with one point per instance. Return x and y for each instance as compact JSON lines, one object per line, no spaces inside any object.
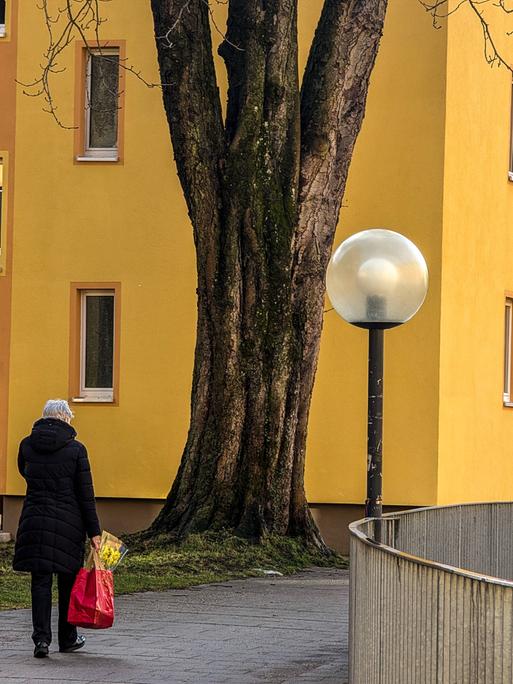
{"x":112,"y":551}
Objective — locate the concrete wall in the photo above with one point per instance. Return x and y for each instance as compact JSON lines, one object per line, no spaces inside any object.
{"x":124,"y":516}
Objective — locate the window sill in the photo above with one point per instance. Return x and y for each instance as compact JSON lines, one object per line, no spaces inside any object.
{"x":97,"y":159}
{"x":510,"y":176}
{"x":92,"y":400}
{"x":507,"y":404}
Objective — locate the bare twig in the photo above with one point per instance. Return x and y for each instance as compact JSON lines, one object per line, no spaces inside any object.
{"x":439,"y":9}
{"x":80,"y":19}
{"x":185,"y":7}
{"x":75,"y":19}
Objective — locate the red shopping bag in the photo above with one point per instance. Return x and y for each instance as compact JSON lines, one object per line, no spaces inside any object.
{"x":91,"y":603}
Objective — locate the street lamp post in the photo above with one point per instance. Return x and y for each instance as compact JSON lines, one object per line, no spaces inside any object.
{"x":376,"y":279}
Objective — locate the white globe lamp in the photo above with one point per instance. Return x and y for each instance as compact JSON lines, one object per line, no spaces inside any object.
{"x":376,"y":279}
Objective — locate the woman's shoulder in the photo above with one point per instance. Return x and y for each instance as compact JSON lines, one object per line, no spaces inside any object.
{"x":79,"y":447}
{"x":24,"y":441}
{"x":73,"y":449}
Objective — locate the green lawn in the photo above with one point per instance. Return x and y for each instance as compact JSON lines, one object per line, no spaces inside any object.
{"x":159,"y":564}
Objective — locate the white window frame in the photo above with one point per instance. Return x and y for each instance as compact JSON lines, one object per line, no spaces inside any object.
{"x":98,"y":153}
{"x":508,"y":339}
{"x":510,"y":171}
{"x":3,"y":212}
{"x":3,"y":26}
{"x":2,"y":204}
{"x":2,"y":227}
{"x":94,"y":393}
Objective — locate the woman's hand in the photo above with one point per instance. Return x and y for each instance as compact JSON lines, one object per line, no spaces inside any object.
{"x":95,"y":542}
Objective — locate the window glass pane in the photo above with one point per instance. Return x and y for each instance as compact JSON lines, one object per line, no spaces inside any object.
{"x":103,"y":100}
{"x":99,"y":340}
{"x":1,"y":194}
{"x":507,"y":350}
{"x":2,"y":11}
{"x":511,"y":134}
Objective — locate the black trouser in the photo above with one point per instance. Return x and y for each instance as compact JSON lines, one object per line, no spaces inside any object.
{"x":42,"y":608}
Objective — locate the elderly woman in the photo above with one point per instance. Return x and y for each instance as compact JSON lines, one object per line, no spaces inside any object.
{"x":58,"y":511}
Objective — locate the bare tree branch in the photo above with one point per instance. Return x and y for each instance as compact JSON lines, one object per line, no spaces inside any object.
{"x":493,"y":55}
{"x":76,"y":19}
{"x":333,"y":98}
{"x":170,"y":31}
{"x":192,"y":104}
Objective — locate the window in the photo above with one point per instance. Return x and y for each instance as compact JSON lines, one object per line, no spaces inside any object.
{"x":99,"y":104}
{"x":102,"y":92}
{"x":508,"y":338}
{"x":3,"y":212}
{"x":95,"y":342}
{"x":1,"y":196}
{"x":2,"y":18}
{"x":510,"y":173}
{"x":97,"y":345}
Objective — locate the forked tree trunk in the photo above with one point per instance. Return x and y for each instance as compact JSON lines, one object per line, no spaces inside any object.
{"x":264,"y":191}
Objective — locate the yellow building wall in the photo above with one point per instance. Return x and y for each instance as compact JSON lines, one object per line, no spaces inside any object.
{"x":128,"y":223}
{"x":395,"y":182}
{"x":8,"y":57}
{"x":103,"y":222}
{"x":476,"y":431}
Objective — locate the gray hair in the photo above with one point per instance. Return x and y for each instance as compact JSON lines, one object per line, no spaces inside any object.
{"x":58,"y":408}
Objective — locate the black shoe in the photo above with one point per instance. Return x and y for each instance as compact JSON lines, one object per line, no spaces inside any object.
{"x":79,"y":642}
{"x":41,"y":649}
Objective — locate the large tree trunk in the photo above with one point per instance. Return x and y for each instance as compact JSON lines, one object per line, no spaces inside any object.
{"x":264,"y":192}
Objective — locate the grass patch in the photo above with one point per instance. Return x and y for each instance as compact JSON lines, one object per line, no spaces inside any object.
{"x":161,"y":564}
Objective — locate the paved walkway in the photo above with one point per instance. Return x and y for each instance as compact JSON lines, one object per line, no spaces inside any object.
{"x":290,"y":629}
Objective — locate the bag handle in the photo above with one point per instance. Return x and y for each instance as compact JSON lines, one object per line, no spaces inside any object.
{"x":94,"y":560}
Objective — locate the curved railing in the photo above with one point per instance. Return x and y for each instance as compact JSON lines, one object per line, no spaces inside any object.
{"x":433,"y":603}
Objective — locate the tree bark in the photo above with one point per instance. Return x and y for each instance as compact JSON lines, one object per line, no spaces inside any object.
{"x":264,"y":192}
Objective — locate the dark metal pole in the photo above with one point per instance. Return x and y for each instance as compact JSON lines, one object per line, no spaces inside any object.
{"x":373,"y":506}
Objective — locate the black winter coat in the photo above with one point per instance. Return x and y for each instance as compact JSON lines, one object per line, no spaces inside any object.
{"x":59,"y":505}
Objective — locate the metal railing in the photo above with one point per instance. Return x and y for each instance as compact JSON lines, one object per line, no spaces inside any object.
{"x":433,"y":603}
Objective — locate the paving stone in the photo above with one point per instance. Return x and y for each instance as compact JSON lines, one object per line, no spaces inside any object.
{"x":287,"y":630}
